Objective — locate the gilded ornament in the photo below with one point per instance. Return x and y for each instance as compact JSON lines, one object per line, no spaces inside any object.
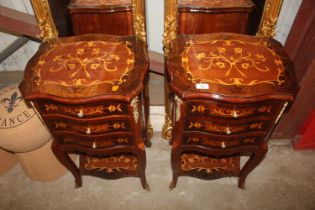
{"x":178,"y":103}
{"x":170,"y":32}
{"x":270,"y":17}
{"x":135,"y":106}
{"x":139,"y":28}
{"x":149,"y":130}
{"x":44,"y":18}
{"x":167,"y":128}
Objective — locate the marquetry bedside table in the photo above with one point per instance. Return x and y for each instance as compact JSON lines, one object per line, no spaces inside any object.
{"x":230,"y":91}
{"x":88,"y":91}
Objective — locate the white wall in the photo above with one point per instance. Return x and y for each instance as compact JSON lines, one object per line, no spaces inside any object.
{"x":155,"y":17}
{"x":286,"y":18}
{"x":155,"y":24}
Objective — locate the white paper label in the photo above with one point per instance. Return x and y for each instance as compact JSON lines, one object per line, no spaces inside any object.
{"x":202,"y":86}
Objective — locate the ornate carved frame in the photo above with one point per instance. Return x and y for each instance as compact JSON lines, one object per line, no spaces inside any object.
{"x":49,"y":30}
{"x":267,"y":28}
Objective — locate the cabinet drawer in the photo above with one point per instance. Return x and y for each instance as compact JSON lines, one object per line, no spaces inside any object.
{"x":89,"y":127}
{"x":227,"y":127}
{"x":83,"y":111}
{"x":236,"y":111}
{"x":219,"y":141}
{"x":95,"y":142}
{"x":99,"y":16}
{"x":110,"y":167}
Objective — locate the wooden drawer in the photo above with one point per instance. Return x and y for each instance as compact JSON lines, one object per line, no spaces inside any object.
{"x":84,"y":110}
{"x":95,"y":141}
{"x":208,"y":167}
{"x":110,"y":167}
{"x":99,"y":16}
{"x":204,"y":16}
{"x":219,"y":141}
{"x":211,"y":108}
{"x":227,"y":127}
{"x":88,"y":126}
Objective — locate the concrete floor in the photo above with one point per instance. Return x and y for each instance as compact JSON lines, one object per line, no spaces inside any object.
{"x":284,"y":180}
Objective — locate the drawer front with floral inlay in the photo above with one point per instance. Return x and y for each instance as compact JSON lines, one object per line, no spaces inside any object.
{"x":225,"y":127}
{"x":95,"y":142}
{"x":265,"y":108}
{"x":217,"y":141}
{"x":110,"y":167}
{"x":90,"y":127}
{"x":83,"y":111}
{"x":206,"y":167}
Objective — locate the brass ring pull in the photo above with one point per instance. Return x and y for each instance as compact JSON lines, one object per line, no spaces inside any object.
{"x":228,"y":132}
{"x":80,"y":114}
{"x":235,"y":115}
{"x":88,"y":131}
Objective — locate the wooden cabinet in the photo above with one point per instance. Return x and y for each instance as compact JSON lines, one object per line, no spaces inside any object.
{"x":203,"y":16}
{"x":229,"y":91}
{"x":88,"y":91}
{"x":113,"y":17}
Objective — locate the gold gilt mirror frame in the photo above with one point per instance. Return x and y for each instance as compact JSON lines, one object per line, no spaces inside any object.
{"x":49,"y":31}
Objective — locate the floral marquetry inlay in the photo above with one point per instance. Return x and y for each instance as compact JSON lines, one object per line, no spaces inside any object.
{"x":112,"y":164}
{"x":236,"y":112}
{"x":218,"y":143}
{"x":85,"y":63}
{"x":232,"y":62}
{"x":209,"y":165}
{"x":227,"y":129}
{"x":96,"y":110}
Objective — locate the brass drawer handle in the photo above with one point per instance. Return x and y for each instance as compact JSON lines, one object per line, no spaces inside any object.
{"x":235,"y":115}
{"x":80,"y":114}
{"x":223,"y":145}
{"x":94,"y":145}
{"x":228,"y":132}
{"x":88,"y":131}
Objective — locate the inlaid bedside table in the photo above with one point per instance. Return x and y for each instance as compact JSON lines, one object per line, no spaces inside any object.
{"x":88,"y":91}
{"x":230,"y":91}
